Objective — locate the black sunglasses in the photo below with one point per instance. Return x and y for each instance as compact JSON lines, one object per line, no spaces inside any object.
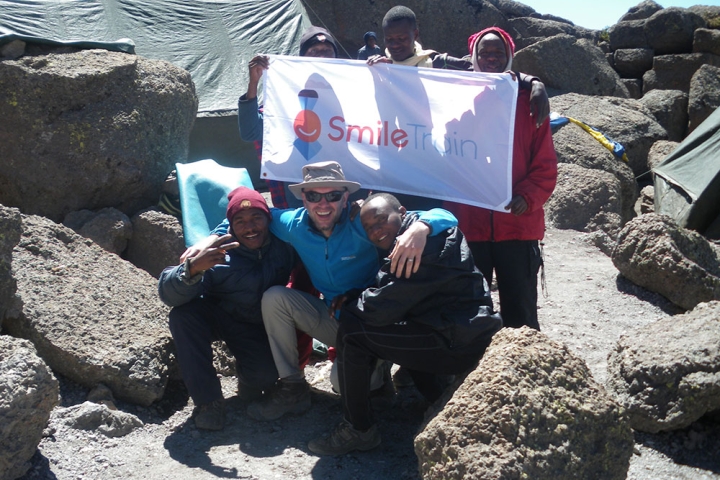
{"x":331,"y":197}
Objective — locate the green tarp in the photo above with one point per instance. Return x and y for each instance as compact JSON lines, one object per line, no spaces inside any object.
{"x":213,"y":40}
{"x":687,"y":182}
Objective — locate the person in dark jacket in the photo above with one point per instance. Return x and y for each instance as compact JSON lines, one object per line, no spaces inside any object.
{"x":370,"y":48}
{"x":217,"y":295}
{"x":439,"y":321}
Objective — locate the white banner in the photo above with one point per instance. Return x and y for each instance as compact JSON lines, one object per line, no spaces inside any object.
{"x":419,"y":131}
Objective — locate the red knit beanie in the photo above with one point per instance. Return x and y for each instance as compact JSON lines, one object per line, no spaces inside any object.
{"x":243,"y":198}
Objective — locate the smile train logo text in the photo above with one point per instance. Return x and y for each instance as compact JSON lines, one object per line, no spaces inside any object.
{"x":307,"y":125}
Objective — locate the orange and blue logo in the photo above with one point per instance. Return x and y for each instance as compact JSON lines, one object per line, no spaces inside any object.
{"x":307,"y":125}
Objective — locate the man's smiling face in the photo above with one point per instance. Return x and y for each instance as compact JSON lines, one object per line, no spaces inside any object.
{"x":381,"y":222}
{"x":251,"y":228}
{"x":324,"y":214}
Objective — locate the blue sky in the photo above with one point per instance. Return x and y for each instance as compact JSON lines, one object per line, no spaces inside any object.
{"x":600,"y":14}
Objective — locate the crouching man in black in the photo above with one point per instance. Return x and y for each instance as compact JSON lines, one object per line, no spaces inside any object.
{"x":438,"y":321}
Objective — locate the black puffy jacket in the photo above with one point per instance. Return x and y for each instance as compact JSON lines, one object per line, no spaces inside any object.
{"x":447,"y":293}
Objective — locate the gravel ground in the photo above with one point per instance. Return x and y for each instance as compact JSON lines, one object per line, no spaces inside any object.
{"x":587,"y":306}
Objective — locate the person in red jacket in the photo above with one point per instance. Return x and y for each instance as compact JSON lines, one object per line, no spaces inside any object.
{"x":507,"y":243}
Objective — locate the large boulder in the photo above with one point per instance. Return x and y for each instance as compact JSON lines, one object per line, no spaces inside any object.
{"x":654,"y":252}
{"x":641,"y":11}
{"x":674,"y":72}
{"x":632,"y":62}
{"x":10,"y":231}
{"x":575,"y":146}
{"x":670,"y":109}
{"x":626,"y":121}
{"x":533,"y":27}
{"x":660,"y":150}
{"x":104,"y":128}
{"x":28,"y":393}
{"x":570,"y":64}
{"x":706,"y":41}
{"x":587,"y":200}
{"x":108,"y":227}
{"x":157,"y":241}
{"x":93,"y":317}
{"x":667,"y":374}
{"x":531,"y":409}
{"x":704,"y":95}
{"x":671,"y":30}
{"x":628,"y":34}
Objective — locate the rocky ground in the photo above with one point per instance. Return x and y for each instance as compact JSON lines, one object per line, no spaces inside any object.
{"x":586,"y":305}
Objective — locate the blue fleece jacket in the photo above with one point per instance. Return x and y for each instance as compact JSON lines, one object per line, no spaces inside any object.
{"x":345,"y":261}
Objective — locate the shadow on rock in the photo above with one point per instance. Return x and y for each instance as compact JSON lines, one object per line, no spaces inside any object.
{"x":626,"y":286}
{"x":696,"y":446}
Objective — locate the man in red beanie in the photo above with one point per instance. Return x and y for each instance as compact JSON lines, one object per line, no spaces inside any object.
{"x":217,"y":295}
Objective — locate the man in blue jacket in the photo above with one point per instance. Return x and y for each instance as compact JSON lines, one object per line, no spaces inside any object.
{"x":216,"y":295}
{"x":339,"y":257}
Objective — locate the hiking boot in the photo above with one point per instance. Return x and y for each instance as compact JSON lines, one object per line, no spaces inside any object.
{"x":345,"y":439}
{"x":286,"y":398}
{"x":211,"y":416}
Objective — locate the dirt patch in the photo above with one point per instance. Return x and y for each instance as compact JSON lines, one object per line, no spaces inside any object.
{"x":588,"y":306}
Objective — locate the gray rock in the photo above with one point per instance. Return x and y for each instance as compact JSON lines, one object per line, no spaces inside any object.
{"x":525,"y":27}
{"x":660,"y":150}
{"x":28,"y":393}
{"x":10,"y":231}
{"x":680,"y":264}
{"x":93,"y":317}
{"x":704,"y":95}
{"x":641,"y":11}
{"x":667,"y":374}
{"x":625,"y":121}
{"x":103,"y":127}
{"x":531,"y":409}
{"x":512,"y":9}
{"x":711,"y":14}
{"x":108,"y":227}
{"x":575,"y":146}
{"x":674,"y":72}
{"x":634,"y":87}
{"x":647,"y":200}
{"x":632,"y":62}
{"x":586,"y":200}
{"x":12,"y":50}
{"x":706,"y":40}
{"x":628,"y":34}
{"x":96,"y":417}
{"x":157,"y":241}
{"x":569,"y":64}
{"x":671,"y":30}
{"x":669,"y":107}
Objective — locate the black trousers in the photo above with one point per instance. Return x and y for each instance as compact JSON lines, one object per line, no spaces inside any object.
{"x":195,"y":325}
{"x":421,"y":350}
{"x":516,"y":264}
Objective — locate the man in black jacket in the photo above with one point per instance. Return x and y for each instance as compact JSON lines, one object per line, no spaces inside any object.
{"x":439,"y":321}
{"x":216,"y":295}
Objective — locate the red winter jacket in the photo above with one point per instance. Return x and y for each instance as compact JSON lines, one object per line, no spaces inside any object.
{"x":534,"y":174}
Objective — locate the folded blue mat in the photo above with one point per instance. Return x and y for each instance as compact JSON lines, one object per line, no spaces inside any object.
{"x":204,"y":186}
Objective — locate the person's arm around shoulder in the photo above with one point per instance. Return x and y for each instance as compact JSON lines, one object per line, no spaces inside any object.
{"x":539,"y":101}
{"x":407,"y":253}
